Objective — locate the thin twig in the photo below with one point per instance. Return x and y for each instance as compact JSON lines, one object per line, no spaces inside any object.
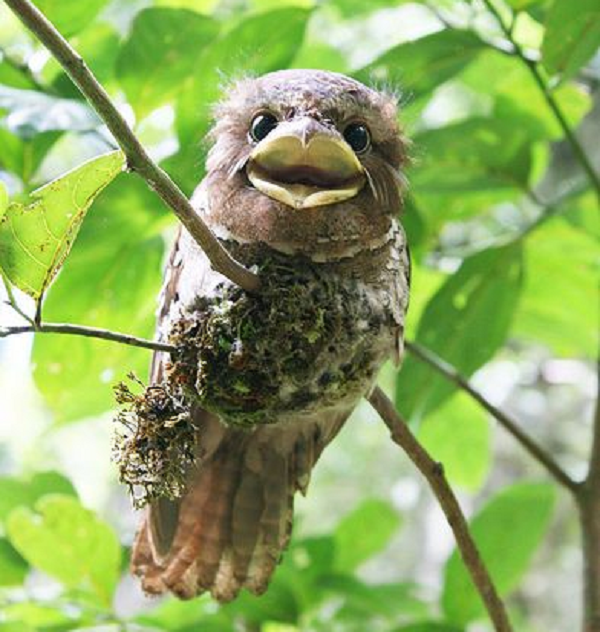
{"x":137,"y":158}
{"x":12,"y":301}
{"x":87,"y":332}
{"x":434,"y":473}
{"x":535,"y":450}
{"x":539,"y":80}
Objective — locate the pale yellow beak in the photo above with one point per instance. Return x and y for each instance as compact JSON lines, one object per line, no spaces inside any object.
{"x":303,"y":167}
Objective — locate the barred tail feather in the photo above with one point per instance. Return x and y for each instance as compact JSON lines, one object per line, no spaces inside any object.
{"x":230,"y":530}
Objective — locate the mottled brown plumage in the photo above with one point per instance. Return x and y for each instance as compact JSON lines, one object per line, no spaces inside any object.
{"x":300,"y":191}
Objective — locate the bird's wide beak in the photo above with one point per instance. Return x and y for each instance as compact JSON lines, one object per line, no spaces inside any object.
{"x":304,"y":165}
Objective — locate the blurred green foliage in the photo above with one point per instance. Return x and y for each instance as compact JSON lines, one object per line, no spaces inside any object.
{"x":493,"y":266}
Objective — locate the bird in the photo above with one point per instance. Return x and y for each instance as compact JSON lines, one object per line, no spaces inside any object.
{"x":307,"y":166}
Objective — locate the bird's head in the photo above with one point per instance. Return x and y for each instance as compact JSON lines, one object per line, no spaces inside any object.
{"x":306,"y":161}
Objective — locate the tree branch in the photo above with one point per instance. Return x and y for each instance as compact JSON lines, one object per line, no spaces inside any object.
{"x":539,"y":80}
{"x":88,"y":332}
{"x":434,"y":473}
{"x":535,"y":450}
{"x":137,"y":158}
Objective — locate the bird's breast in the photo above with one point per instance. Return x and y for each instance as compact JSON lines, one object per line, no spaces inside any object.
{"x":313,"y":339}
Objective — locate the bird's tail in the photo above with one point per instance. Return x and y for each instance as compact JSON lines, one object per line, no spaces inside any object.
{"x":230,"y":529}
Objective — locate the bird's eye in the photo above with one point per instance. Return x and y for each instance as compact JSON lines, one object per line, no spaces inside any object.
{"x":358,"y":137}
{"x":262,"y":125}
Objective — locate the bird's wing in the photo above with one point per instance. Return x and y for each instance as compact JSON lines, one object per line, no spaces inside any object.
{"x":230,"y":528}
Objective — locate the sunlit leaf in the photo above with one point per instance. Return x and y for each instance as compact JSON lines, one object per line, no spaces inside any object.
{"x":23,"y":156}
{"x":70,"y":17}
{"x":155,"y":59}
{"x":572,"y":35}
{"x":98,"y":45}
{"x":429,"y":626}
{"x":16,"y":492}
{"x":42,"y":616}
{"x":419,"y":66}
{"x":458,"y":436}
{"x":457,"y":325}
{"x":3,"y":199}
{"x":513,"y":82}
{"x":507,"y":532}
{"x":353,"y":8}
{"x":68,"y":542}
{"x":36,"y":236}
{"x":353,"y":543}
{"x":33,"y":112}
{"x":111,"y":279}
{"x":14,"y":77}
{"x":473,"y":155}
{"x":13,"y":568}
{"x":558,"y":306}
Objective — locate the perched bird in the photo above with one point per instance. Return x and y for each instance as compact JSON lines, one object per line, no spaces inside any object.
{"x":305,"y":166}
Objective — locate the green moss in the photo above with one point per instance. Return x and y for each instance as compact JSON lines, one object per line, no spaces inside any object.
{"x":153,"y":443}
{"x":252,"y":359}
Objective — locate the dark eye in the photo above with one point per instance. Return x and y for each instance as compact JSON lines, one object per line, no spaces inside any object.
{"x":358,"y":137}
{"x":262,"y":125}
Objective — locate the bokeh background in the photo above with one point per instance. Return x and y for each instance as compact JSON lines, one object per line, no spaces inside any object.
{"x":503,"y":225}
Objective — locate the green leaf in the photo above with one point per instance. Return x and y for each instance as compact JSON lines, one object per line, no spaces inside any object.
{"x":514,"y":84}
{"x":14,"y":77}
{"x":36,"y":237}
{"x":155,"y":60}
{"x":99,"y":46}
{"x":35,"y":112}
{"x":261,"y":43}
{"x":13,"y":568}
{"x":354,"y":8}
{"x":68,"y":542}
{"x":456,"y":324}
{"x":3,"y":199}
{"x":420,"y":66}
{"x":355,"y":544}
{"x":23,"y":156}
{"x":429,"y":626}
{"x":367,"y":601}
{"x":70,"y":17}
{"x":558,"y":306}
{"x":473,"y":156}
{"x":458,"y":435}
{"x":572,"y":36}
{"x":507,"y":532}
{"x":41,"y":617}
{"x":16,"y":492}
{"x":111,"y":280}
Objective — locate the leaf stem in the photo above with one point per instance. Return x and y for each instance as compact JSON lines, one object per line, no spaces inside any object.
{"x":87,"y":332}
{"x":137,"y":157}
{"x":434,"y":474}
{"x":553,"y":104}
{"x":535,"y":450}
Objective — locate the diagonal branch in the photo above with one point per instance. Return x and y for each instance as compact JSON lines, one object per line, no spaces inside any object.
{"x":535,"y":450}
{"x":87,"y":332}
{"x":434,"y":473}
{"x":553,"y":104}
{"x":137,"y":158}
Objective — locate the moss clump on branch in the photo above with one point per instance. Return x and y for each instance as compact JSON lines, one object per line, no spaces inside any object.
{"x":304,"y":343}
{"x":154,"y":442}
